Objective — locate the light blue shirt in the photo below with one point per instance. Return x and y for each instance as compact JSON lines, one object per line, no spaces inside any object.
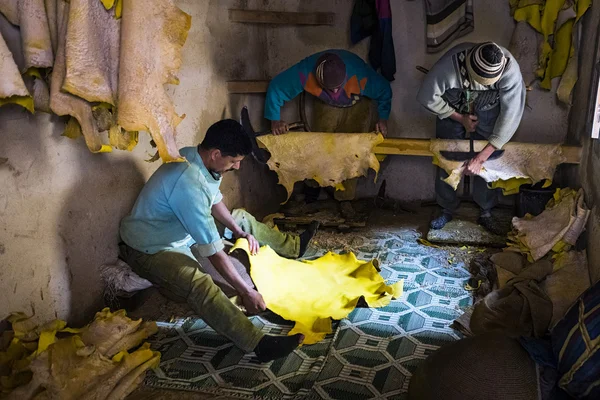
{"x":173,"y":210}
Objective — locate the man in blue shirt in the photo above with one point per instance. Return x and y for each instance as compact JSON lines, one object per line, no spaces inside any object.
{"x":176,"y":209}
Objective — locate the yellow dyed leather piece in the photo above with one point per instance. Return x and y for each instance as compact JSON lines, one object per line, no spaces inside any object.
{"x":93,"y":362}
{"x":521,"y":163}
{"x":328,"y":158}
{"x":119,"y":9}
{"x":62,"y":103}
{"x":555,"y":20}
{"x":559,"y":225}
{"x":121,"y":139}
{"x":92,"y":66}
{"x":149,"y":59}
{"x":513,"y":185}
{"x":12,"y":87}
{"x":23,"y":101}
{"x":108,"y":4}
{"x":312,"y":293}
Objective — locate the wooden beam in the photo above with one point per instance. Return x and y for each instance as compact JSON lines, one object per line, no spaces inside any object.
{"x":247,"y":86}
{"x":280,"y":17}
{"x":420,"y":147}
{"x":404,"y":147}
{"x":572,"y":154}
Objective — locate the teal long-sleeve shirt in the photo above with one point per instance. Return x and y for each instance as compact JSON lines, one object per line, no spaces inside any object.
{"x":361,"y":79}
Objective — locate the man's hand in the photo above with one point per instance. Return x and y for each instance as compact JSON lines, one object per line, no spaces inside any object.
{"x":279,"y":127}
{"x":470,"y":122}
{"x":381,"y":126}
{"x":252,"y":242}
{"x":475,"y":164}
{"x":253,"y":301}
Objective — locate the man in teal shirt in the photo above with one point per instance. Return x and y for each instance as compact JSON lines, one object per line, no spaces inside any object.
{"x":176,"y":209}
{"x":337,"y":77}
{"x":345,"y":86}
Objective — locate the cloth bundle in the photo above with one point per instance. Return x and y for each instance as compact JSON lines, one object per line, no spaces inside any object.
{"x":446,"y":21}
{"x":521,"y":308}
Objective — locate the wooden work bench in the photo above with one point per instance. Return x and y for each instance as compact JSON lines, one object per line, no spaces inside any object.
{"x":420,"y":147}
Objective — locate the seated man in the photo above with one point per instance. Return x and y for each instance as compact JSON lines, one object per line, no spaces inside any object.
{"x":176,"y":209}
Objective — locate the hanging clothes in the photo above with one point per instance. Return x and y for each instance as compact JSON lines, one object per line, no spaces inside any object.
{"x":374,"y":18}
{"x":446,"y":21}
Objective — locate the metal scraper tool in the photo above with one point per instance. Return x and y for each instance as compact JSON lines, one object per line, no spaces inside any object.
{"x":466,"y":156}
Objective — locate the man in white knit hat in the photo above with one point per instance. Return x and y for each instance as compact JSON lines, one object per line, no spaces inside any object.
{"x":475,"y":88}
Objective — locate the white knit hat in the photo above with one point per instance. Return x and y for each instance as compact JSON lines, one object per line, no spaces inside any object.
{"x":485,"y":63}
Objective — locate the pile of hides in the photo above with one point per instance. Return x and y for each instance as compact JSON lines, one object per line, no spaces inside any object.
{"x":103,"y":63}
{"x":51,"y":361}
{"x":539,"y":276}
{"x":312,"y":293}
{"x":555,"y":230}
{"x":520,"y":164}
{"x":328,"y":158}
{"x":556,"y":24}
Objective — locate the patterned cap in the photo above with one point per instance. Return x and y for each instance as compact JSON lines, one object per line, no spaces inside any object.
{"x":331,"y":71}
{"x":485,"y":63}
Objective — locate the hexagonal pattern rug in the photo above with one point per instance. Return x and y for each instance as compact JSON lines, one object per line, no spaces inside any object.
{"x":371,"y":354}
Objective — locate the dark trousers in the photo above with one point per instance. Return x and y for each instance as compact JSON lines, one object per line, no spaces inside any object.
{"x":447,"y":128}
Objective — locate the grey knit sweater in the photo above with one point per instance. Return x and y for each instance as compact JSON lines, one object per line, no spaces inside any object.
{"x":446,"y":85}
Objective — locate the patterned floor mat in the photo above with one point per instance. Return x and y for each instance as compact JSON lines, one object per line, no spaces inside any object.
{"x":372,"y":354}
{"x":195,"y":358}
